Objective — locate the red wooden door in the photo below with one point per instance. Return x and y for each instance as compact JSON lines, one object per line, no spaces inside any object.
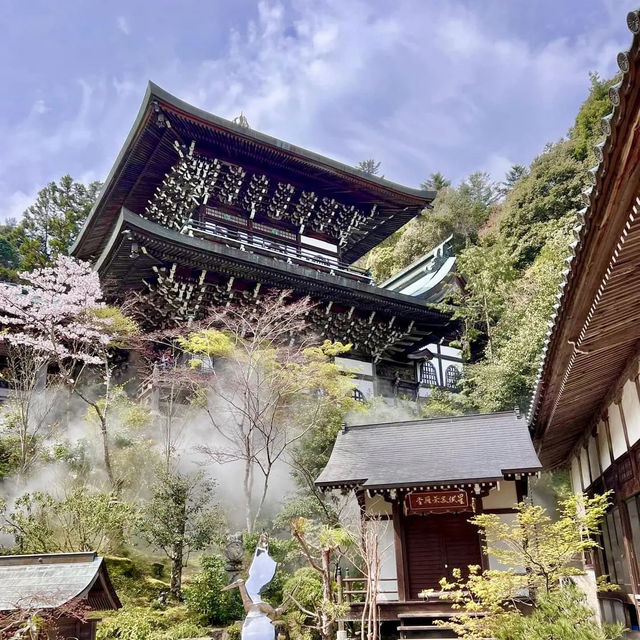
{"x":435,"y":545}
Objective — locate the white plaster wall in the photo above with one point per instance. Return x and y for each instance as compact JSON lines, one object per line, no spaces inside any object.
{"x":450,"y":351}
{"x":365,"y":387}
{"x":631,"y":408}
{"x":584,"y":466}
{"x":504,"y":497}
{"x":355,"y":366}
{"x":617,"y":433}
{"x":605,"y":458}
{"x":314,"y":242}
{"x":424,"y":392}
{"x":593,"y":458}
{"x":576,"y":480}
{"x":388,"y":572}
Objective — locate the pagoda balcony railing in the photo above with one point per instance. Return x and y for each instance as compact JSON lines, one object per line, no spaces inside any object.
{"x":291,"y":254}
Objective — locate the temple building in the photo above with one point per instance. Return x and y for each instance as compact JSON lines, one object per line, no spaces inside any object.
{"x":198,"y":211}
{"x":586,"y":409}
{"x":421,"y":481}
{"x":64,"y":590}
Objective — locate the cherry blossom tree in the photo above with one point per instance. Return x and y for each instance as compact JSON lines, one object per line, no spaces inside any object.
{"x":58,"y":313}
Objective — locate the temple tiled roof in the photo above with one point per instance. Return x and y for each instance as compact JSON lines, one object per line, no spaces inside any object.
{"x":49,"y":581}
{"x":442,"y":451}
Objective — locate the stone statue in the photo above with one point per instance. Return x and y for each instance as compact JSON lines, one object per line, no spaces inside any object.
{"x":258,"y":625}
{"x":234,"y":553}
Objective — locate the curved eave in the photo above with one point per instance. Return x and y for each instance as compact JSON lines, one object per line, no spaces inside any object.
{"x":326,"y":164}
{"x":431,"y":484}
{"x":200,"y":253}
{"x":144,"y":137}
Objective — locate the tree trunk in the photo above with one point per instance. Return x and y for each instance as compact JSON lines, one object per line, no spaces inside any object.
{"x":106,"y":453}
{"x":325,"y":620}
{"x":177,"y":557}
{"x":247,"y":486}
{"x":175,"y":584}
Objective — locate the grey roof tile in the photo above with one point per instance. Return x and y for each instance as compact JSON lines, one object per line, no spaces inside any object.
{"x":45,"y":581}
{"x":475,"y":448}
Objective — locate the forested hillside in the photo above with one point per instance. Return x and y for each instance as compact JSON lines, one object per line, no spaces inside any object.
{"x":511,"y":240}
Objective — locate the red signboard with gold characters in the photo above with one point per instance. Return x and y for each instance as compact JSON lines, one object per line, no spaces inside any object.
{"x":439,"y":501}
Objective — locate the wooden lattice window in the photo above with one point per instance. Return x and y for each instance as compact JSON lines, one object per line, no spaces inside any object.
{"x":357,"y":395}
{"x":428,"y":375}
{"x":452,"y":377}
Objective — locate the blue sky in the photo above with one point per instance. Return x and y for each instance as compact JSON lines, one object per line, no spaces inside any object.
{"x":421,"y":85}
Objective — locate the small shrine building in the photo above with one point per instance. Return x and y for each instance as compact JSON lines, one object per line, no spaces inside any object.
{"x":54,"y":582}
{"x":422,"y":481}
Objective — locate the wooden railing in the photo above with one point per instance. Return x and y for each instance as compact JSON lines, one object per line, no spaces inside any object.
{"x":350,"y":587}
{"x":290,"y":253}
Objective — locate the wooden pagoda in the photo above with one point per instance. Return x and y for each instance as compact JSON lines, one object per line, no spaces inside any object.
{"x":199,"y":211}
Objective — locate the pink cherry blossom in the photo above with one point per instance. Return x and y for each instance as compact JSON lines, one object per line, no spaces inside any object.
{"x":53,"y":312}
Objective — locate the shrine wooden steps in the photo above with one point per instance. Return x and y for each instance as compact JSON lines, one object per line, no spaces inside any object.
{"x":422,"y":626}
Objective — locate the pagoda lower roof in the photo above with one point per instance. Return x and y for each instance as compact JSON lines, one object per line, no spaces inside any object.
{"x":156,"y":245}
{"x":163,"y":121}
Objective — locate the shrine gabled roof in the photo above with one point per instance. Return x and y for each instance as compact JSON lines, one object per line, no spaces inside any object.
{"x":50,"y":580}
{"x":594,"y":330}
{"x":440,"y":451}
{"x":149,"y":153}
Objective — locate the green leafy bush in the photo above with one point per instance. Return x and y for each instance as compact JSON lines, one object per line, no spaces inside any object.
{"x":559,"y":615}
{"x":204,"y":596}
{"x":142,"y":623}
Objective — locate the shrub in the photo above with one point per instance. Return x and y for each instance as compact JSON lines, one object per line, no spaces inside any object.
{"x":142,"y":623}
{"x":561,"y":615}
{"x":204,"y":595}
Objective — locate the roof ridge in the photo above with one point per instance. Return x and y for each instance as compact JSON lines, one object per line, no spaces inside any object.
{"x":49,"y":558}
{"x":432,"y":420}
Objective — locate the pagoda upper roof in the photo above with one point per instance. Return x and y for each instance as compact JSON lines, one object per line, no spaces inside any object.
{"x":164,"y":121}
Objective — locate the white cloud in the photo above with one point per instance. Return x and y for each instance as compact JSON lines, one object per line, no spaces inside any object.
{"x":123,"y":25}
{"x":420,"y":86}
{"x":14,"y":205}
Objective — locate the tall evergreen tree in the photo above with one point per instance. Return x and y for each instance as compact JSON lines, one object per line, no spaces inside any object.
{"x":370,"y":166}
{"x":52,"y":222}
{"x":435,"y":182}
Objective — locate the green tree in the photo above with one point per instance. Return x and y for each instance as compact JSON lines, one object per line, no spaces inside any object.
{"x":512,"y":177}
{"x":369,"y":166}
{"x":81,"y":520}
{"x":545,"y":200}
{"x":543,"y":547}
{"x":204,"y":594}
{"x":9,"y":253}
{"x":560,"y":615}
{"x":587,"y":129}
{"x":50,"y":225}
{"x":488,"y":271}
{"x":505,"y":376}
{"x":181,"y":517}
{"x":435,"y":182}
